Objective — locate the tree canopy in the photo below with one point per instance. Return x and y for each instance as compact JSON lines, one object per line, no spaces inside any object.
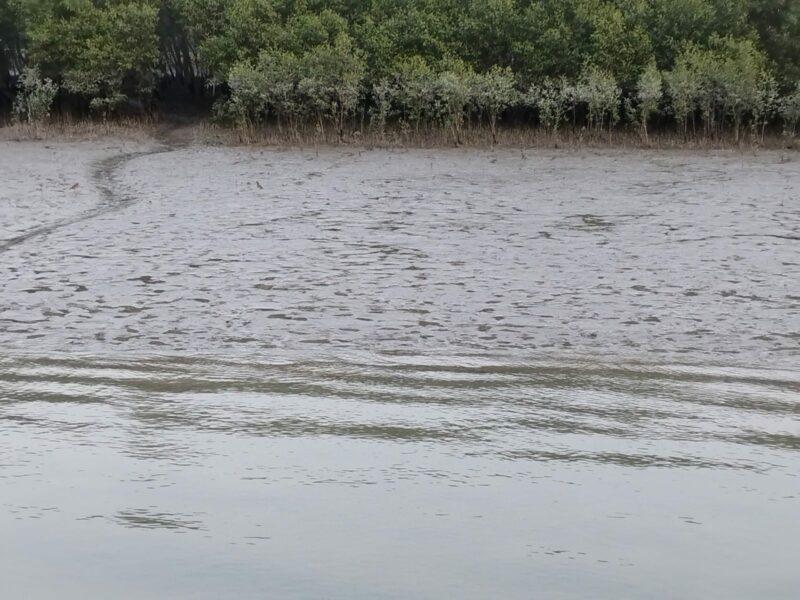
{"x":326,"y":60}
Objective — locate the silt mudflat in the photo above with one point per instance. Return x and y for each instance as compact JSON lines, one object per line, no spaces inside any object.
{"x":389,"y":374}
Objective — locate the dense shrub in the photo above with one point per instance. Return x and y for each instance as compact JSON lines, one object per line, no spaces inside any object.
{"x":552,"y":99}
{"x":598,"y":90}
{"x":789,"y":108}
{"x":35,"y":96}
{"x":707,"y":67}
{"x":649,"y":91}
{"x":493,"y":92}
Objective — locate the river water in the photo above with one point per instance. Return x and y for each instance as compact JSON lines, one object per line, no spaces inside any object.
{"x":389,"y":374}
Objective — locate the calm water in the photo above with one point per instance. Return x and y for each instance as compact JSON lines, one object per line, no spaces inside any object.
{"x":235,"y":373}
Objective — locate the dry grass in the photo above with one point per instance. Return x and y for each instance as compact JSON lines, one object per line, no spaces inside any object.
{"x":477,"y":136}
{"x":66,"y":129}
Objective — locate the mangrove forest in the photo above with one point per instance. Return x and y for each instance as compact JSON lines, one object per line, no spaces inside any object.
{"x":694,"y":68}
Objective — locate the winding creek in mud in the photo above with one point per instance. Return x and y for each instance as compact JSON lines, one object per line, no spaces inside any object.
{"x":388,"y":374}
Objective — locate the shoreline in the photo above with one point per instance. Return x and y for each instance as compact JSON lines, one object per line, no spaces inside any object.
{"x":203,"y":133}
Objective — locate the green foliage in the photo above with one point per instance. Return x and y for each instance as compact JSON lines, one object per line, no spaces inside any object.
{"x":683,"y":86}
{"x":728,"y":80}
{"x":552,"y":98}
{"x":451,"y":92}
{"x":330,"y":76}
{"x":103,"y":52}
{"x":619,"y":45}
{"x":35,"y":96}
{"x":324,"y":81}
{"x":412,"y":89}
{"x":649,"y":91}
{"x":739,"y":71}
{"x":267,"y":88}
{"x":382,"y":96}
{"x":493,"y":92}
{"x":486,"y":33}
{"x":423,"y":63}
{"x":789,"y":108}
{"x":777,"y":23}
{"x":766,"y":105}
{"x":554,"y":38}
{"x":11,"y":43}
{"x":599,"y":91}
{"x":227,"y":31}
{"x":672,"y":24}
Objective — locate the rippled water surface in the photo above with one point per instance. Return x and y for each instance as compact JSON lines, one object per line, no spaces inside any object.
{"x":374,"y":374}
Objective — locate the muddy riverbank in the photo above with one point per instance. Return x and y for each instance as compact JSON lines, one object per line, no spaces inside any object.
{"x":149,"y":248}
{"x":341,"y":373}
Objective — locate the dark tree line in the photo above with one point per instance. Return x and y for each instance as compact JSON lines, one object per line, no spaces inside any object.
{"x":700,"y":66}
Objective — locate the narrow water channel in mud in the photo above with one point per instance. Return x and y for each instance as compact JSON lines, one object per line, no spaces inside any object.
{"x":389,"y":374}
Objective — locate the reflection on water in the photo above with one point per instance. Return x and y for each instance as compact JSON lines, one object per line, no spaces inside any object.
{"x":396,"y":476}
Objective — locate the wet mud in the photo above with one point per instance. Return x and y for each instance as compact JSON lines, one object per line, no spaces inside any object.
{"x":389,"y":374}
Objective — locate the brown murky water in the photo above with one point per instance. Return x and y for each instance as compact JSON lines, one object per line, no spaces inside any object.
{"x":243,"y":373}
